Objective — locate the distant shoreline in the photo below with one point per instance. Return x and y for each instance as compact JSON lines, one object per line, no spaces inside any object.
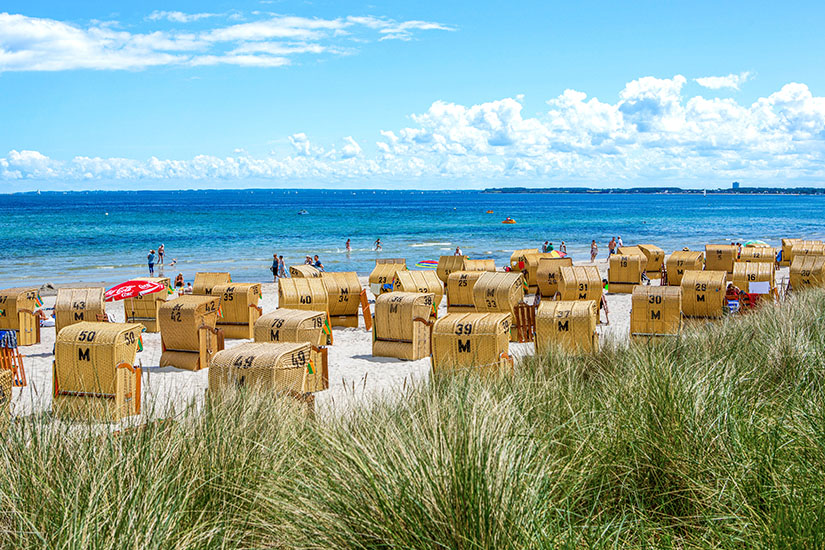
{"x":792,"y":191}
{"x":658,"y":191}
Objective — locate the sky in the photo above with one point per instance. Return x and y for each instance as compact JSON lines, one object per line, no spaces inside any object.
{"x":440,"y":95}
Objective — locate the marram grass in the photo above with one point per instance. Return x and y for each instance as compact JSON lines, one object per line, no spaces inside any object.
{"x":712,"y":440}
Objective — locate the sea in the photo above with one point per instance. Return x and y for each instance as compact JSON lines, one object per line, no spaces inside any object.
{"x":76,"y":237}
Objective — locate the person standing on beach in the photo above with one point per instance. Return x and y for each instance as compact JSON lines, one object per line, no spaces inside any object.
{"x":377,"y":243}
{"x":161,"y":251}
{"x":458,"y":251}
{"x":151,"y":259}
{"x":620,"y":243}
{"x":275,"y":267}
{"x":611,"y":247}
{"x":348,"y":246}
{"x":563,"y":247}
{"x":544,"y":246}
{"x":594,"y":250}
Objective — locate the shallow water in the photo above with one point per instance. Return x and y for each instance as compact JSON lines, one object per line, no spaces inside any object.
{"x":105,"y":236}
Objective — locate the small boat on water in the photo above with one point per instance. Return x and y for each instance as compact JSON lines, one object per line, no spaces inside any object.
{"x":489,"y":212}
{"x":302,"y":212}
{"x":508,"y":220}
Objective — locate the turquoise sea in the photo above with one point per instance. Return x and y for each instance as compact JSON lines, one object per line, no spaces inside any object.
{"x":105,"y":236}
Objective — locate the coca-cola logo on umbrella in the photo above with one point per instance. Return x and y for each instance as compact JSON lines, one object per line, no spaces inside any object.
{"x":132,"y":289}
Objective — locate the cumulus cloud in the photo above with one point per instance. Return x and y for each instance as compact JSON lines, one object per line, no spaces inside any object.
{"x":732,"y":81}
{"x":39,"y":44}
{"x":653,"y":133}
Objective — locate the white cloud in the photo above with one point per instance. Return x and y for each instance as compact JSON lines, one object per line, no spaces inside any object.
{"x":394,"y":30}
{"x":351,"y":148}
{"x":653,"y":133}
{"x":732,"y":81}
{"x":39,"y":44}
{"x":179,"y":17}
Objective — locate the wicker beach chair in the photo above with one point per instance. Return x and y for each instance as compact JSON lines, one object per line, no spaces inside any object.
{"x":297,"y":326}
{"x":17,"y":306}
{"x":94,"y":371}
{"x":188,"y":332}
{"x":402,"y":325}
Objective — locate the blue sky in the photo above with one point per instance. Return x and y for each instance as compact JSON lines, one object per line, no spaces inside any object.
{"x":410,"y":94}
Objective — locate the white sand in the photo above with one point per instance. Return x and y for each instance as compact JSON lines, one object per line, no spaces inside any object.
{"x":355,"y":376}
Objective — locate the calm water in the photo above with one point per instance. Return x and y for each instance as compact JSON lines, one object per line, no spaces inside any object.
{"x":56,"y":237}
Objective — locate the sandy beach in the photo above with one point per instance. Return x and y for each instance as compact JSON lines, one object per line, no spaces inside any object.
{"x":355,"y":376}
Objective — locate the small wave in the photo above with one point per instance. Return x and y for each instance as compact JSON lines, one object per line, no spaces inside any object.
{"x":418,"y":245}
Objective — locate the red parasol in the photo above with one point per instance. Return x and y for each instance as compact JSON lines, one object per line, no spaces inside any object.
{"x":130,"y":289}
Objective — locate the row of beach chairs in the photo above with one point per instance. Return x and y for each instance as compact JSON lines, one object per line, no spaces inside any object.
{"x":95,"y":368}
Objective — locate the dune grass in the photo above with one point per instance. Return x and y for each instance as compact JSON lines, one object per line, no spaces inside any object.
{"x":712,"y":440}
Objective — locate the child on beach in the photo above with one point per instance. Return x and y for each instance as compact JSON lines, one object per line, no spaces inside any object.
{"x":151,"y":259}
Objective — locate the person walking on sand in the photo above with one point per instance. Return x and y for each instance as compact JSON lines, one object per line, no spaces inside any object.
{"x":275,"y":267}
{"x":161,"y":251}
{"x":281,"y":267}
{"x":611,"y":247}
{"x":594,"y":250}
{"x":377,"y":243}
{"x":348,"y":246}
{"x":619,"y":242}
{"x":151,"y":259}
